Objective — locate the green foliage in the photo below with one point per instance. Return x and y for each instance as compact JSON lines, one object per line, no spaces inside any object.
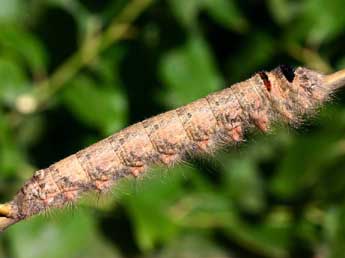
{"x":189,"y":73}
{"x":65,"y":82}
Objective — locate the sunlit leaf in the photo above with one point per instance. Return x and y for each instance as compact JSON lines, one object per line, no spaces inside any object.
{"x":11,"y":10}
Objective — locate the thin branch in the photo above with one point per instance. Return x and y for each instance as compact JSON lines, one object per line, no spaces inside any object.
{"x":335,"y":80}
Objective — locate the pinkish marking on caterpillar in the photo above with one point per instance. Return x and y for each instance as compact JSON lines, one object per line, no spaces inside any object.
{"x":281,"y":95}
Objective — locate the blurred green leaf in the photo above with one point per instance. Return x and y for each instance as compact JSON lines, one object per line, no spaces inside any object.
{"x":244,"y":185}
{"x":103,"y":108}
{"x":186,"y":11}
{"x":64,"y":236}
{"x":326,"y":22}
{"x":191,"y":246}
{"x":189,"y":72}
{"x":10,"y":156}
{"x":320,"y":21}
{"x":295,"y":174}
{"x":149,"y":210}
{"x":13,"y":81}
{"x":212,"y":210}
{"x":11,"y":10}
{"x":23,"y":46}
{"x":225,"y":12}
{"x":283,"y":11}
{"x":334,"y":231}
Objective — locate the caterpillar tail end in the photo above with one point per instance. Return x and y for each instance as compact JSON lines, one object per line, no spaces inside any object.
{"x":335,"y":80}
{"x":5,"y":219}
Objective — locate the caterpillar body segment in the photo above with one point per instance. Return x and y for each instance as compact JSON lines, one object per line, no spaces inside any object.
{"x":281,"y":95}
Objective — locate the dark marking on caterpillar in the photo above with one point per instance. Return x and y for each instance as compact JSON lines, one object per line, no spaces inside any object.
{"x":266,"y":80}
{"x":282,"y":95}
{"x":288,"y":71}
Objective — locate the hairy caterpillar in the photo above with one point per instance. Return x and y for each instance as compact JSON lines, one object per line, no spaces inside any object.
{"x":281,"y":95}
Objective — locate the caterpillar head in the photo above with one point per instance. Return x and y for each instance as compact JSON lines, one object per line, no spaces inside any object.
{"x":294,"y":92}
{"x":307,"y":85}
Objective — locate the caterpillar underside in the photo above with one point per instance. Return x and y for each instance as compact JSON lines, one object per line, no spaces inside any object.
{"x":282,"y":95}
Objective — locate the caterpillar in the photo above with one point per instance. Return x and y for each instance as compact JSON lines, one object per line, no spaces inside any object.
{"x":284,"y":95}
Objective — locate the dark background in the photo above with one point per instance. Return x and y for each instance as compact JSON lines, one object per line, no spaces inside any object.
{"x":73,"y":72}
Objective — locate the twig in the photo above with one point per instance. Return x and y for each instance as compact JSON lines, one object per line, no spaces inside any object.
{"x":335,"y":80}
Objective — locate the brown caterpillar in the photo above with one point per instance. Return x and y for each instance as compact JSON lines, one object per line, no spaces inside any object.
{"x":282,"y":95}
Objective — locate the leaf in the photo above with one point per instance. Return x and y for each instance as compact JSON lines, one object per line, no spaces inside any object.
{"x":186,"y":11}
{"x":244,"y":185}
{"x":335,"y":230}
{"x":64,"y":236}
{"x":283,"y":11}
{"x":149,"y":207}
{"x":295,"y":174}
{"x":99,"y":107}
{"x":327,"y":22}
{"x":11,"y":10}
{"x":13,"y":81}
{"x":11,"y":157}
{"x":23,"y":46}
{"x":193,"y":246}
{"x":225,"y":12}
{"x":320,"y":21}
{"x":189,"y":72}
{"x":214,"y":211}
